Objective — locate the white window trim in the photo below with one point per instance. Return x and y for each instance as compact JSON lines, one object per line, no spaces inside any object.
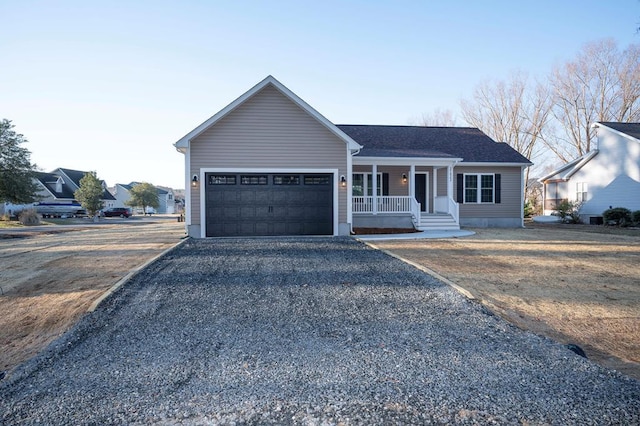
{"x":479,"y":188}
{"x":365,"y":180}
{"x":582,"y":191}
{"x":202,"y":188}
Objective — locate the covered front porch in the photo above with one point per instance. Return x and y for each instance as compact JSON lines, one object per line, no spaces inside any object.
{"x":405,"y":193}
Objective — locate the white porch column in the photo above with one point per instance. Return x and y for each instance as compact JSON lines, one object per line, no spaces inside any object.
{"x":450,"y":182}
{"x":412,"y":181}
{"x":374,"y":188}
{"x":434,"y":192}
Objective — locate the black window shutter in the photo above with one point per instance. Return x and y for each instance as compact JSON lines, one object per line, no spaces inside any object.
{"x":498,"y":184}
{"x":385,"y":184}
{"x":460,"y":189}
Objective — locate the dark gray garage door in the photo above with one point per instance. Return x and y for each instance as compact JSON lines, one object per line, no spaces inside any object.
{"x":268,"y":204}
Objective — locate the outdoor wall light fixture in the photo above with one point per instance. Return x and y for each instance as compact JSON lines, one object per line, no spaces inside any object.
{"x":343,"y":180}
{"x":404,"y":178}
{"x":194,"y":181}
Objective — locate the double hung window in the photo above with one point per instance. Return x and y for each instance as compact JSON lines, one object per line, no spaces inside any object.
{"x":479,"y":188}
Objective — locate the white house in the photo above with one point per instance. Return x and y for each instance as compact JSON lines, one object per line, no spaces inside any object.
{"x":608,"y":176}
{"x":166,"y":201}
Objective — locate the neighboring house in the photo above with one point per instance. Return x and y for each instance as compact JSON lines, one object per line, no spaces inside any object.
{"x":270,"y":164}
{"x":608,"y":176}
{"x":166,"y":202}
{"x":56,"y":193}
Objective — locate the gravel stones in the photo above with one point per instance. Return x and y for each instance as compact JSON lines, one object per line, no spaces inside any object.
{"x":304,"y":331}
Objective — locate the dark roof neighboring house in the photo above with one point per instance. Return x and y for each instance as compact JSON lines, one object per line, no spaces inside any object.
{"x":631,"y":129}
{"x":467,"y":143}
{"x":50,"y":182}
{"x":67,"y":189}
{"x":129,"y":186}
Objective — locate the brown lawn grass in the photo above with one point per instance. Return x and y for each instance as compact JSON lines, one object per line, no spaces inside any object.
{"x":574,"y":283}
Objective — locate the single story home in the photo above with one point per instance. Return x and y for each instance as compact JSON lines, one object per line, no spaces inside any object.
{"x":608,"y":176}
{"x":270,"y":164}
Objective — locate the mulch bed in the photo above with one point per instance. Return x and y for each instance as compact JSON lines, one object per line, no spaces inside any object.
{"x":370,"y":231}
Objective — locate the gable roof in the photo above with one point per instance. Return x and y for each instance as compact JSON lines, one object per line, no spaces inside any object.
{"x":74,"y":177}
{"x":48,"y":180}
{"x":183,"y":143}
{"x":129,"y":186}
{"x":564,"y":173}
{"x":629,"y":129}
{"x":467,"y":143}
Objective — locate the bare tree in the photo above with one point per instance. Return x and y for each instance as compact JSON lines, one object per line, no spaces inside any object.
{"x":438,"y":118}
{"x":513,"y":112}
{"x":600,"y":84}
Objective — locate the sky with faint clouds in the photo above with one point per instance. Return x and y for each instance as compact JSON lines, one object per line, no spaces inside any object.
{"x":110,"y":86}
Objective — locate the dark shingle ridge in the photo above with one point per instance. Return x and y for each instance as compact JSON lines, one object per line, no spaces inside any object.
{"x":468,"y":143}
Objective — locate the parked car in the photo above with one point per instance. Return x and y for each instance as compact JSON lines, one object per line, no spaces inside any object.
{"x":116,"y":212}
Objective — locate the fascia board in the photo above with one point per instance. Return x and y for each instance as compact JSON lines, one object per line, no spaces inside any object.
{"x":494,"y":164}
{"x":564,"y":173}
{"x":183,"y":143}
{"x":584,"y":160}
{"x":614,"y":131}
{"x":351,"y":144}
{"x":404,"y":161}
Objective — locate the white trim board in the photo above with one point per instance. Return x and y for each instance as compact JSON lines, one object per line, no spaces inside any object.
{"x":203,"y":171}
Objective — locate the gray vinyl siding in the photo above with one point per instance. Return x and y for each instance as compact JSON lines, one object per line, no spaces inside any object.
{"x":268,"y":131}
{"x":511,"y":197}
{"x":442,"y":182}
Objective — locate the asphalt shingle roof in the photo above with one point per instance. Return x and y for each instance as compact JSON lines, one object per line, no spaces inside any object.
{"x":75,"y":176}
{"x":631,"y":129}
{"x":49,"y":181}
{"x":467,"y":143}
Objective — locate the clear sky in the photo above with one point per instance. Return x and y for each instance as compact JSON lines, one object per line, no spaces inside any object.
{"x":110,"y":86}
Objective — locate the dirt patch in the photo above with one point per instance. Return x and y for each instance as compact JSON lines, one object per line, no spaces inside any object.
{"x":575,"y":284}
{"x":50,"y":277}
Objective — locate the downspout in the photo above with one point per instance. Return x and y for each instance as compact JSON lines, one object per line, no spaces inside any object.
{"x":350,"y":154}
{"x":187,"y":185}
{"x":522,"y":195}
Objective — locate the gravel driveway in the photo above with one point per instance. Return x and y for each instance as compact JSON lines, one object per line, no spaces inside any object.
{"x":304,"y":331}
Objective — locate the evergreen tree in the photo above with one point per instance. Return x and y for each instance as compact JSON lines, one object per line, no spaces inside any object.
{"x":90,"y":193}
{"x":17,"y":184}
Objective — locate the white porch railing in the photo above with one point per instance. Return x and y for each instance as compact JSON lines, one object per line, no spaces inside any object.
{"x":444,"y":204}
{"x":404,"y":204}
{"x":385,"y":204}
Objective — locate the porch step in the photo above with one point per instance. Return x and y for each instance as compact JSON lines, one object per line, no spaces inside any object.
{"x":441,"y":222}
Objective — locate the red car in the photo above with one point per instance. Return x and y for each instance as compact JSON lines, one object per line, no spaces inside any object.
{"x":116,"y":212}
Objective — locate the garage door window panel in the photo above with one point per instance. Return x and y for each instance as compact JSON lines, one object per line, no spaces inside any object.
{"x":286,"y":180}
{"x":222,"y":180}
{"x":254,"y":180}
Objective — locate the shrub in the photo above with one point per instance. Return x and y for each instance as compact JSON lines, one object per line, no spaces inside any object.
{"x":636,"y":217}
{"x":619,"y":216}
{"x":529,"y":210}
{"x":568,"y":211}
{"x":29,"y":217}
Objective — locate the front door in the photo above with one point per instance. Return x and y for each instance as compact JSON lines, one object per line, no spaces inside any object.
{"x":421,"y":189}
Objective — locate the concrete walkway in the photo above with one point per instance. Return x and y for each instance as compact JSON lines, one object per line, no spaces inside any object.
{"x":416,"y":235}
